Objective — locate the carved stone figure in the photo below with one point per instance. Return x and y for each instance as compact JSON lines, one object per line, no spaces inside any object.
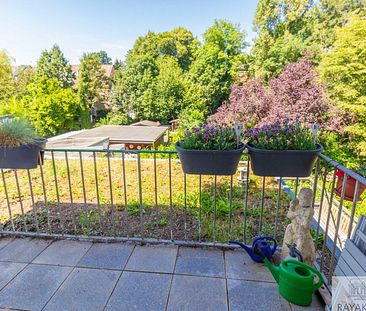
{"x":299,"y":230}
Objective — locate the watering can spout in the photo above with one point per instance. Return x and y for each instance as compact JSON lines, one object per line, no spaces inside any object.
{"x":242,"y":245}
{"x":275,"y":271}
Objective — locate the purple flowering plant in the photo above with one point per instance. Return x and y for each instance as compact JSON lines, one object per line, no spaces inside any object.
{"x":210,"y":137}
{"x":281,"y":136}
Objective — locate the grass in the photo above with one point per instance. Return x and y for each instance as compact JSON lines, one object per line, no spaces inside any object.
{"x":121,"y":213}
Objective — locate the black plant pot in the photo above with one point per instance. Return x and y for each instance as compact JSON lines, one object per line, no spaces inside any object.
{"x":22,"y":157}
{"x":282,"y":163}
{"x":209,"y":162}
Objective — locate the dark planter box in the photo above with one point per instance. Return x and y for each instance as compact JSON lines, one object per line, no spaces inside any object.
{"x":209,"y":162}
{"x":282,"y":163}
{"x":22,"y":157}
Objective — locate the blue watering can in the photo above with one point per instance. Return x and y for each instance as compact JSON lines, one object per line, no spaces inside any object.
{"x":262,"y":246}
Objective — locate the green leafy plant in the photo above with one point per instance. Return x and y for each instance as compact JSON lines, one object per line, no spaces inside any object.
{"x":279,"y":136}
{"x":15,"y":133}
{"x":210,"y":137}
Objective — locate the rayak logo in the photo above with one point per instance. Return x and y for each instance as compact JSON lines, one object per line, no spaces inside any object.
{"x":349,"y":293}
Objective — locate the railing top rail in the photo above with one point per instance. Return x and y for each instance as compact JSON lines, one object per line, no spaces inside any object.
{"x":109,"y":150}
{"x":346,"y":170}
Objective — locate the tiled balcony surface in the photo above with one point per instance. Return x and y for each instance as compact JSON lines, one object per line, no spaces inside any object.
{"x":65,"y":275}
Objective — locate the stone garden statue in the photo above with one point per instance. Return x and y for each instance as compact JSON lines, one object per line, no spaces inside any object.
{"x":299,"y":230}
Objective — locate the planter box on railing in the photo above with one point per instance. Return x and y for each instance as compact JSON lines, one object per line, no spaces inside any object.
{"x":282,"y":163}
{"x":22,"y":157}
{"x":209,"y":162}
{"x":349,"y":191}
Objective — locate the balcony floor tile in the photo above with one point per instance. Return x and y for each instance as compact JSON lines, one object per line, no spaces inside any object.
{"x":33,"y":287}
{"x":107,"y":256}
{"x":197,"y":293}
{"x":240,"y":266}
{"x":140,"y":291}
{"x":153,"y":259}
{"x":255,"y":296}
{"x":84,"y":289}
{"x":23,"y":250}
{"x":8,"y":270}
{"x":63,"y":253}
{"x":202,"y":262}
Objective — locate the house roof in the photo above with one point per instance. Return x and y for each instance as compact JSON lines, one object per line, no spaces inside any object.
{"x":146,"y":123}
{"x":124,"y":133}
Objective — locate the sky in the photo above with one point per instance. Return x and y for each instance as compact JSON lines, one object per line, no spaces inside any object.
{"x":27,"y":27}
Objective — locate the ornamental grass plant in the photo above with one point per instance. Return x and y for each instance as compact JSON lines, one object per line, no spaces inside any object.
{"x":15,"y":133}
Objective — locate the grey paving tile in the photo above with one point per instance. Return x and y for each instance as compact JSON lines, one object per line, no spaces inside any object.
{"x":84,"y":289}
{"x":240,"y":266}
{"x":152,"y":259}
{"x":249,"y":295}
{"x":140,"y":291}
{"x":33,"y":287}
{"x":197,"y":293}
{"x":23,"y":249}
{"x":316,"y":305}
{"x":5,"y":241}
{"x":9,"y":270}
{"x":107,"y":255}
{"x":63,"y":252}
{"x":197,"y":261}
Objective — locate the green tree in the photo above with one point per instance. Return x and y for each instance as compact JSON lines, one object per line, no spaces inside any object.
{"x":104,"y":59}
{"x":343,"y":69}
{"x":93,"y":84}
{"x":7,"y":87}
{"x":53,"y":64}
{"x":51,"y":108}
{"x":150,"y":83}
{"x":288,"y":29}
{"x":217,"y":64}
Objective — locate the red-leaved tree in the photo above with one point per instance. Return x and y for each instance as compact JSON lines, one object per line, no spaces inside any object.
{"x":294,"y":95}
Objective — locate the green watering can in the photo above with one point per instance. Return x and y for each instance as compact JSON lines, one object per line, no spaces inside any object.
{"x":295,"y":280}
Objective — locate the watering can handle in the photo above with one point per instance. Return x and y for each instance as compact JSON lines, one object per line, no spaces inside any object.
{"x":321,"y":280}
{"x":273,"y":249}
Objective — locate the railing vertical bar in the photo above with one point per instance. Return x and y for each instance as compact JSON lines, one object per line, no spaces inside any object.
{"x":97,"y":192}
{"x":315,"y":184}
{"x":44,"y":194}
{"x":246,"y":203}
{"x":155,"y":183}
{"x":35,"y":219}
{"x":230,"y":208}
{"x":7,"y":200}
{"x":113,"y":212}
{"x":57,"y":192}
{"x":215,"y":205}
{"x":125,"y":193}
{"x":84,"y":191}
{"x":354,"y":204}
{"x":262,"y":205}
{"x":328,"y":218}
{"x":278,"y":206}
{"x":170,"y":197}
{"x":21,"y":201}
{"x":185,"y":206}
{"x":321,"y":205}
{"x":140,"y":192}
{"x":70,"y":191}
{"x":200,"y":209}
{"x":337,"y":225}
{"x":296,"y":186}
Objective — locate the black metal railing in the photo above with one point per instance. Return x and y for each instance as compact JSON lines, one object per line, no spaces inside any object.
{"x":144,"y":194}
